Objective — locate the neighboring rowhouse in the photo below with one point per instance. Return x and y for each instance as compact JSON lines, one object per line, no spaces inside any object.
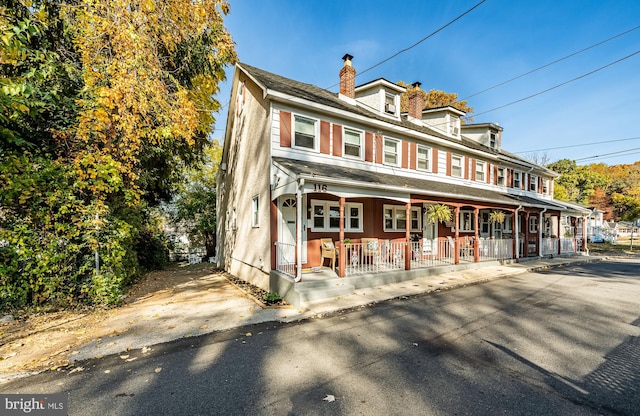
{"x":310,"y":178}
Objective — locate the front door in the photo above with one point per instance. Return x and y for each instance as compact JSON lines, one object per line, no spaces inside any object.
{"x":430,"y":235}
{"x":287,"y":232}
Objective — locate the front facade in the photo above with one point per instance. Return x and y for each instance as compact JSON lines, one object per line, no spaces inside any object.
{"x":311,"y":178}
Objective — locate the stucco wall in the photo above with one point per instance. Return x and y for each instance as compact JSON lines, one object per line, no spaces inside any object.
{"x":244,"y":250}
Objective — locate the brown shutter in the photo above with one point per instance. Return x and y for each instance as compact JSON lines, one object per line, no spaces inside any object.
{"x":378,"y":148}
{"x":488,"y":173}
{"x":325,"y":137}
{"x":368,"y":147}
{"x":473,"y":169}
{"x":434,"y":162}
{"x":539,"y":184}
{"x":405,"y":155}
{"x":337,"y":140}
{"x":285,"y":129}
{"x":466,"y":167}
{"x":448,"y":163}
{"x":495,"y":175}
{"x":413,"y":157}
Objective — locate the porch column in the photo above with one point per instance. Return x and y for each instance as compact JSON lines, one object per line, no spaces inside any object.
{"x":525,"y":251}
{"x":558,"y":234}
{"x":456,"y":245}
{"x":514,"y":228}
{"x":476,"y":240}
{"x":584,"y":234}
{"x":342,"y":252}
{"x":407,"y":236}
{"x":299,"y":232}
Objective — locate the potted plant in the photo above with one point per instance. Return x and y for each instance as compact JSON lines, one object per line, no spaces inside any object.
{"x":496,"y":217}
{"x":438,"y":213}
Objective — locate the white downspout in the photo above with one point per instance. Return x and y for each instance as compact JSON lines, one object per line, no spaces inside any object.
{"x":516,"y":221}
{"x":299,"y":231}
{"x":540,"y":232}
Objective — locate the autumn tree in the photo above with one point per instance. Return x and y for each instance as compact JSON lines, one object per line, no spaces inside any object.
{"x":435,"y":99}
{"x":104,"y":104}
{"x":576,"y":183}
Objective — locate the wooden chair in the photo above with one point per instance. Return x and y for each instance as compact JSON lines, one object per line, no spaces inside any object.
{"x":370,"y":248}
{"x":329,"y":251}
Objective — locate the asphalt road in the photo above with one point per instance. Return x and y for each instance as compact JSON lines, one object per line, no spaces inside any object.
{"x":562,"y":342}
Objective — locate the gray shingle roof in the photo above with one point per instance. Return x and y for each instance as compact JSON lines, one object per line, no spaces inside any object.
{"x":415,"y":186}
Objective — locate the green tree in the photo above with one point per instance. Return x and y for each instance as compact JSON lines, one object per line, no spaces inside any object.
{"x":195,"y":204}
{"x":101,"y":110}
{"x":576,"y":183}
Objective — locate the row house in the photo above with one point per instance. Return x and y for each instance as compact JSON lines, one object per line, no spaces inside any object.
{"x":311,"y":178}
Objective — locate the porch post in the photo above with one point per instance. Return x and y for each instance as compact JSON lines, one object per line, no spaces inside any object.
{"x":299,"y":232}
{"x":342,"y":251}
{"x":584,"y":234}
{"x":456,"y":245}
{"x":407,"y":236}
{"x":476,"y":240}
{"x":514,"y":229}
{"x":559,"y":235}
{"x":525,"y":250}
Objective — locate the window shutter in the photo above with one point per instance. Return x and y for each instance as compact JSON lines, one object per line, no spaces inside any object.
{"x":325,"y":137}
{"x":285,"y":129}
{"x":368,"y":147}
{"x":337,"y":140}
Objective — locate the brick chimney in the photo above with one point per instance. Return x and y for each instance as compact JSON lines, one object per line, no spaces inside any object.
{"x":415,"y":101}
{"x":348,"y":78}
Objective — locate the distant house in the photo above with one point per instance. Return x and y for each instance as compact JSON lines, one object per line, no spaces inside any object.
{"x":311,"y":178}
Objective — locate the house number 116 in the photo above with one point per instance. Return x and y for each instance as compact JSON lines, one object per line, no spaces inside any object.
{"x":319,"y":188}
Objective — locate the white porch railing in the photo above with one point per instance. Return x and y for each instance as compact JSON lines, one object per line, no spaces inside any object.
{"x":549,"y":246}
{"x":286,"y":258}
{"x":568,"y":245}
{"x":374,"y":257}
{"x":430,"y":253}
{"x":497,"y":249}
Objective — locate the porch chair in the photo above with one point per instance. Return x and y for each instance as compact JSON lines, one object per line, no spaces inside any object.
{"x":370,"y":249}
{"x":329,"y":251}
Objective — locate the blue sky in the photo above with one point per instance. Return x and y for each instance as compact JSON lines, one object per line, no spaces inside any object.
{"x":499,"y":40}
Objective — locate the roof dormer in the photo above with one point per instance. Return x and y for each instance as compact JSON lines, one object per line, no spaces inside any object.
{"x":381,"y":96}
{"x":445,"y":119}
{"x":488,"y":134}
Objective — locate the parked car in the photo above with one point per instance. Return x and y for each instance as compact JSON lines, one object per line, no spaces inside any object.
{"x":596,"y":239}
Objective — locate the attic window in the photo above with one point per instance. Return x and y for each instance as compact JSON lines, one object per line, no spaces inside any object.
{"x":492,"y":139}
{"x":389,"y":104}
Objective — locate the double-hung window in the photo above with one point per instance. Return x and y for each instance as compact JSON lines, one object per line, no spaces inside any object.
{"x":545,"y":185}
{"x":480,"y":171}
{"x":456,"y":166}
{"x":395,"y":218}
{"x":533,"y":183}
{"x":305,"y":132}
{"x":352,"y":143}
{"x":516,"y":179}
{"x":466,"y":221}
{"x":424,"y":158}
{"x":255,"y":211}
{"x":533,"y":224}
{"x":326,"y":216}
{"x":501,"y":177}
{"x":391,"y":151}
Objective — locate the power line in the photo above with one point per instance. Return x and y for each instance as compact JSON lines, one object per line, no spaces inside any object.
{"x":559,"y":85}
{"x":612,"y":157}
{"x":609,"y":154}
{"x":577,"y":145}
{"x":417,"y":43}
{"x":551,"y":63}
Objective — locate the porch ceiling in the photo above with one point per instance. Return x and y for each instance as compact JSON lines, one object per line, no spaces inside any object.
{"x":395,"y":183}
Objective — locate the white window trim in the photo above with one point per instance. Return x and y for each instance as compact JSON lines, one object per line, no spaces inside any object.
{"x":482,"y":171}
{"x":533,"y":224}
{"x":533,"y":183}
{"x":517,"y":179}
{"x":429,"y":153}
{"x":398,"y":151}
{"x":255,"y":211}
{"x":461,"y":158}
{"x":471,"y":222}
{"x":347,"y":215}
{"x":502,"y":179}
{"x":545,"y":185}
{"x":396,"y":208}
{"x":344,"y":143}
{"x":316,"y":137}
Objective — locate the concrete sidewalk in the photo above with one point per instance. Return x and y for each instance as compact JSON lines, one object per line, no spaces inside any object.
{"x":222,"y":306}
